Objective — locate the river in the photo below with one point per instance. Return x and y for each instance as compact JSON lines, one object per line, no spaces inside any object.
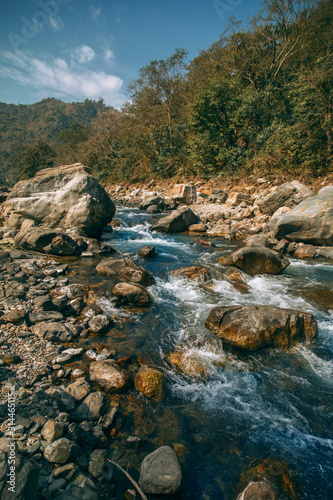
{"x":272,"y":404}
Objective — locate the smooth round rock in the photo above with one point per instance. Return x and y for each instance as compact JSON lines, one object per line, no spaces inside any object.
{"x":160,"y":472}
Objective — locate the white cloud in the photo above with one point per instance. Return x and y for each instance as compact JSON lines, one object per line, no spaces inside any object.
{"x":95,"y":12}
{"x":83,"y":54}
{"x":58,"y":79}
{"x":108,"y":54}
{"x":56,"y":23}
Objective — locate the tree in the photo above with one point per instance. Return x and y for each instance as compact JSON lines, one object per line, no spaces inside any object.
{"x":34,"y":158}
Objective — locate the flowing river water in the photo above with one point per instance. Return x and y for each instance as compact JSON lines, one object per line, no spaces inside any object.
{"x":272,"y":404}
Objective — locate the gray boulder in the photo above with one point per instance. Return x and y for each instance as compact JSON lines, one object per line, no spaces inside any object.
{"x":56,"y":332}
{"x":61,"y":197}
{"x":160,"y":472}
{"x":59,"y":451}
{"x":178,"y":221}
{"x":256,"y":260}
{"x":99,"y":323}
{"x":256,"y":327}
{"x":310,"y":222}
{"x":286,"y":195}
{"x":91,"y":408}
{"x":46,"y":240}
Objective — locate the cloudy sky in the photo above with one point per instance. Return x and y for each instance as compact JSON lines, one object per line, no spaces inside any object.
{"x":78,"y":49}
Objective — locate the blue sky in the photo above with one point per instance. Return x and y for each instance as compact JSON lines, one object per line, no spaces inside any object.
{"x":78,"y":49}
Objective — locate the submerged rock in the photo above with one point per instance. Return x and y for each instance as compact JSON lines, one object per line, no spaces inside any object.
{"x":125,"y":270}
{"x":189,"y":364}
{"x":259,"y":490}
{"x":178,"y":221}
{"x":136,"y":295}
{"x":256,"y":327}
{"x":310,"y":222}
{"x":160,"y":472}
{"x":256,"y":260}
{"x":193,"y":273}
{"x":150,"y":382}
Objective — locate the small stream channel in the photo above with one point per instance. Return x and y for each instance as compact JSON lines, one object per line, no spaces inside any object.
{"x":249,"y":407}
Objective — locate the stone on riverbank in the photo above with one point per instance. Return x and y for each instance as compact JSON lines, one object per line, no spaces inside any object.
{"x":125,"y":270}
{"x":286,"y":195}
{"x":46,"y":240}
{"x":160,"y":472}
{"x":59,"y":451}
{"x":256,"y":260}
{"x":178,"y":221}
{"x":109,"y":375}
{"x":184,"y":193}
{"x":310,"y":222}
{"x":256,"y":327}
{"x":63,"y":197}
{"x":136,"y":295}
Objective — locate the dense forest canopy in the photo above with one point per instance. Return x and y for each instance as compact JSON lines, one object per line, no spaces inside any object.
{"x":259,"y":99}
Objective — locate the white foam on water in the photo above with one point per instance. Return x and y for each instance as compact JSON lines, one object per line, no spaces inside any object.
{"x":322,"y":367}
{"x":108,"y":307}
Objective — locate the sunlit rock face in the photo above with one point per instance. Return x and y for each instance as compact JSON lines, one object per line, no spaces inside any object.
{"x":62,"y":197}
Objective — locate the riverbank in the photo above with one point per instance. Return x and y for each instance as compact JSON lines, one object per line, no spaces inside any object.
{"x":105,"y":370}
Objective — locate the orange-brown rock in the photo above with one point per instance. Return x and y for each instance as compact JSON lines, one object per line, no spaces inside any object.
{"x":125,"y":270}
{"x":256,"y":327}
{"x":150,"y":382}
{"x":256,"y":260}
{"x":193,"y":273}
{"x":189,"y":364}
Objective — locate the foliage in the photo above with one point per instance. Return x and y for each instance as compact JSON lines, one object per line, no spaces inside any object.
{"x":259,"y":99}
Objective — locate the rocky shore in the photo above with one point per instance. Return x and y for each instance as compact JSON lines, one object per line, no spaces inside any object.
{"x":70,"y":432}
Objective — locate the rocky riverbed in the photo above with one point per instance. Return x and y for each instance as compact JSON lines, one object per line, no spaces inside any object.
{"x":105,"y":353}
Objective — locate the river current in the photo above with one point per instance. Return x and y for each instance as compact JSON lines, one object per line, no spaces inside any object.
{"x":272,"y":404}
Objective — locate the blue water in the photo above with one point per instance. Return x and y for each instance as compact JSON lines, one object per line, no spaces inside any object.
{"x":248,"y":408}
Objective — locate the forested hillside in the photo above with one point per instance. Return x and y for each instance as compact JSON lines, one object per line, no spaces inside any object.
{"x":41,"y":129}
{"x":258,"y":100}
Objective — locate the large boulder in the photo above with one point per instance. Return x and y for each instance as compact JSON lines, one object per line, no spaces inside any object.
{"x":129,"y":293}
{"x":178,"y":221}
{"x":286,"y":195}
{"x":61,"y":197}
{"x":160,"y":472}
{"x":256,"y":327}
{"x":184,"y":193}
{"x":256,"y":260}
{"x":46,"y":240}
{"x":125,"y":270}
{"x":310,"y":222}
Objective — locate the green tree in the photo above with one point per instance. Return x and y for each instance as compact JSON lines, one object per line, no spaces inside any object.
{"x":34,"y":158}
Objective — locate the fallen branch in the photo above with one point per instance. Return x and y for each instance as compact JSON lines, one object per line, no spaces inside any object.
{"x":136,"y":486}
